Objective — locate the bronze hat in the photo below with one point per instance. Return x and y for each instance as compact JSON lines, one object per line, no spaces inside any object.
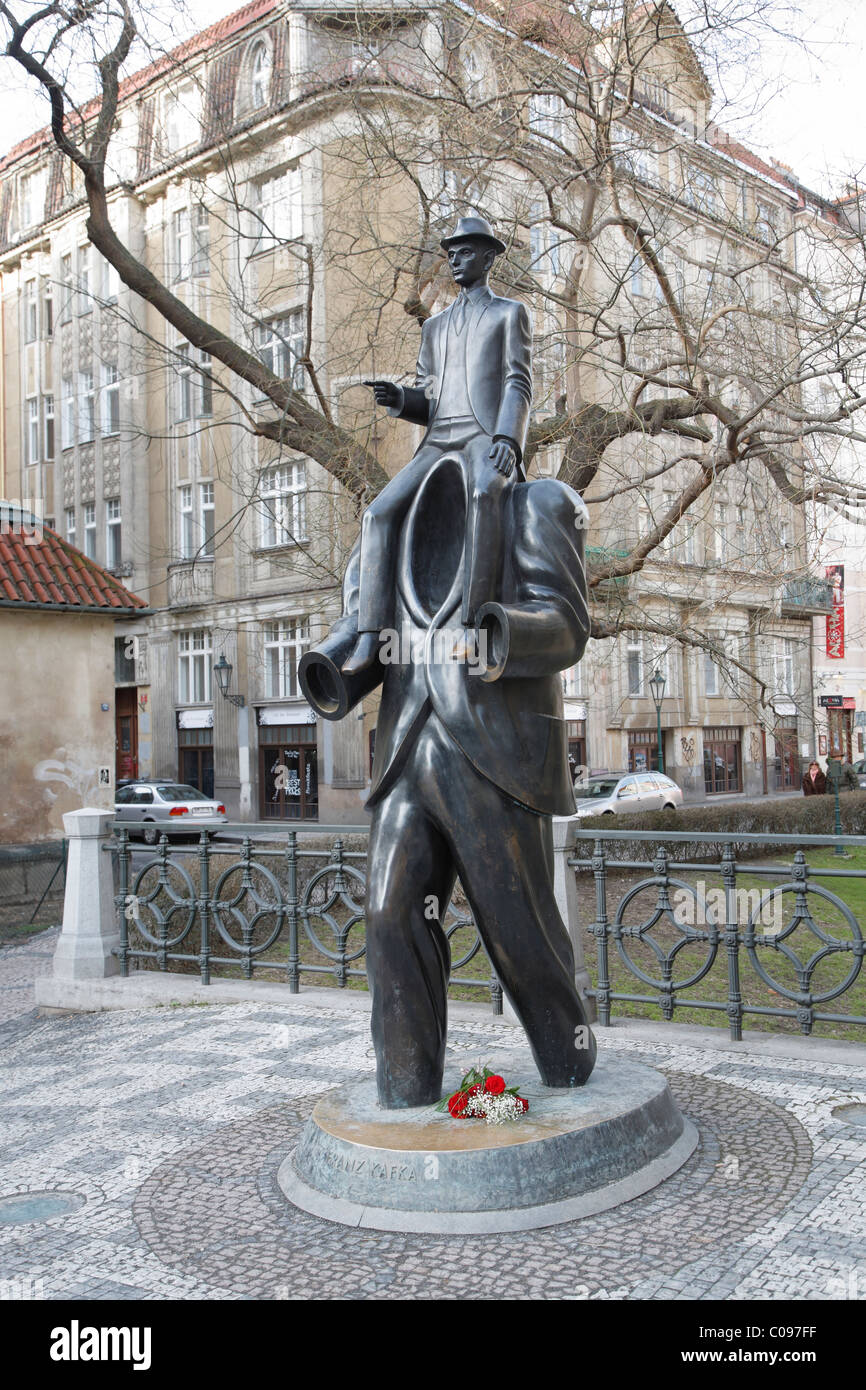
{"x":476,"y":227}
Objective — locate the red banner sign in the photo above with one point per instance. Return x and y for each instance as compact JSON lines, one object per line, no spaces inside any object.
{"x":836,"y":620}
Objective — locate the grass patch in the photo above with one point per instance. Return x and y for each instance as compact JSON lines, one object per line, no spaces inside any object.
{"x":13,"y":934}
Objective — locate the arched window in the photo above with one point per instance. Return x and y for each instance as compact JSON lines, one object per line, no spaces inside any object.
{"x":260,"y":76}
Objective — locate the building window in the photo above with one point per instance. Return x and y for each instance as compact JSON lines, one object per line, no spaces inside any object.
{"x":67,"y":413}
{"x":180,"y":244}
{"x":191,"y":242}
{"x":572,"y":682}
{"x":640,"y":281}
{"x":197,"y":532}
{"x":206,"y":517}
{"x":783,"y":666}
{"x":281,"y":345}
{"x":87,"y":414}
{"x":276,"y":210}
{"x":111,"y":401}
{"x":195,"y":663}
{"x":66,"y":288}
{"x":283,"y":493}
{"x":712,"y":676}
{"x":70,"y":525}
{"x":543,"y":244}
{"x":545,"y":115}
{"x":194,"y":399}
{"x":285,"y":644}
{"x":722,"y":761}
{"x":766,"y":226}
{"x":90,"y":530}
{"x":181,"y":119}
{"x":634,"y":665}
{"x":31,"y":312}
{"x":721,"y":534}
{"x":48,"y":311}
{"x":200,"y":240}
{"x":85,"y":301}
{"x":260,"y":79}
{"x":702,"y":191}
{"x":187,"y":542}
{"x":26,"y":200}
{"x":110,"y":281}
{"x":112,"y":533}
{"x":48,"y":416}
{"x":33,"y":429}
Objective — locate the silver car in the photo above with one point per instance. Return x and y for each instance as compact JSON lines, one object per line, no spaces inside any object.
{"x":165,"y":808}
{"x":618,"y":793}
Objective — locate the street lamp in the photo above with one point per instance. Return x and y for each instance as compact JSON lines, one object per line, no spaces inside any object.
{"x":223,"y":672}
{"x":657,"y":690}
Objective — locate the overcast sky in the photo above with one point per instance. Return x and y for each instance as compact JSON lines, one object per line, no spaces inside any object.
{"x":800,"y":99}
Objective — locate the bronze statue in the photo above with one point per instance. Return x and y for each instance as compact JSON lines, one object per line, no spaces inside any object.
{"x":471,"y":757}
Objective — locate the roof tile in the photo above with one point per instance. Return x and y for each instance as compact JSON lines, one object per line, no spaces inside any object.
{"x":53,"y":571}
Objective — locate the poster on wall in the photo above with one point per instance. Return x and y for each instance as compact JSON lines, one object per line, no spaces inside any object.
{"x":836,"y":620}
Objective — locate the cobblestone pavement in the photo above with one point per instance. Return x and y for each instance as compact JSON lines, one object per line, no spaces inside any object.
{"x":169,"y":1124}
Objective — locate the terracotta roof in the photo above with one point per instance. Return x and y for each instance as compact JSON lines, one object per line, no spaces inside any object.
{"x":199,"y":43}
{"x":53,"y":574}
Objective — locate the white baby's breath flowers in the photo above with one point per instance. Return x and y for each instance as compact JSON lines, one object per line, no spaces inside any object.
{"x":496,"y":1110}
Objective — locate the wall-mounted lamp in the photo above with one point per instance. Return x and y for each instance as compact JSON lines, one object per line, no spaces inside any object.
{"x":223,"y":672}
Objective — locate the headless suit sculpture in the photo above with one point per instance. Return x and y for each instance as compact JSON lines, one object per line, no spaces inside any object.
{"x":471,"y":758}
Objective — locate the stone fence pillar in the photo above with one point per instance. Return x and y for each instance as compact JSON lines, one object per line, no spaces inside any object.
{"x":89,"y":916}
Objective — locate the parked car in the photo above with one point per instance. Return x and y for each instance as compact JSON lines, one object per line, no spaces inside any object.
{"x":860,"y":769}
{"x":154,"y":808}
{"x":619,"y":793}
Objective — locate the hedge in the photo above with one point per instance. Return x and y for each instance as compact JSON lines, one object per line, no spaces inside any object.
{"x":807,"y":815}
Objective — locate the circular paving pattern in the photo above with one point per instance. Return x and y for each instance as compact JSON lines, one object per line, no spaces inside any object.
{"x":216,"y":1212}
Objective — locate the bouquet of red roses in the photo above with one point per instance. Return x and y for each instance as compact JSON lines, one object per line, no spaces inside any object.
{"x":483,"y":1095}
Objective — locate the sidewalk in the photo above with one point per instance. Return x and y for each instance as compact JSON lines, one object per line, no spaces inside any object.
{"x":166,"y":1126}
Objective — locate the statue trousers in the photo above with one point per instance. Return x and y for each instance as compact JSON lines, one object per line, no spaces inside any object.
{"x":442,"y":818}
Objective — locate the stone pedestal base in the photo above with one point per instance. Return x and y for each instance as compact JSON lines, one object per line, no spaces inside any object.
{"x":576,"y":1152}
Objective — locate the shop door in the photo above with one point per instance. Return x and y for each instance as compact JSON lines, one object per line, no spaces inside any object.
{"x":787,"y":763}
{"x":839,"y":729}
{"x":196,"y":768}
{"x":289,"y":781}
{"x":125,"y":733}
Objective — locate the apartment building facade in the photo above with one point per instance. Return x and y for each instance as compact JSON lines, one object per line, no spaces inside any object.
{"x":239,"y":180}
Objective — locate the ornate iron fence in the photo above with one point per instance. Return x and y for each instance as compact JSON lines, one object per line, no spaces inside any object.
{"x":276,"y":907}
{"x":685,"y":928}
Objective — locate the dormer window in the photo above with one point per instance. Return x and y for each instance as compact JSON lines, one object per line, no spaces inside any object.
{"x":260,"y":76}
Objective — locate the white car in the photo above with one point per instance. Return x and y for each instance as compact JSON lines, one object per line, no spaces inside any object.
{"x":151,"y":809}
{"x":615,"y":793}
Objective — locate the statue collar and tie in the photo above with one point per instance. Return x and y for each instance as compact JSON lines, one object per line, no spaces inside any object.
{"x":467,"y":300}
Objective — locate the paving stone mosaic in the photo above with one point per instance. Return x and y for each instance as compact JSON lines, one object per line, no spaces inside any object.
{"x":170,"y":1124}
